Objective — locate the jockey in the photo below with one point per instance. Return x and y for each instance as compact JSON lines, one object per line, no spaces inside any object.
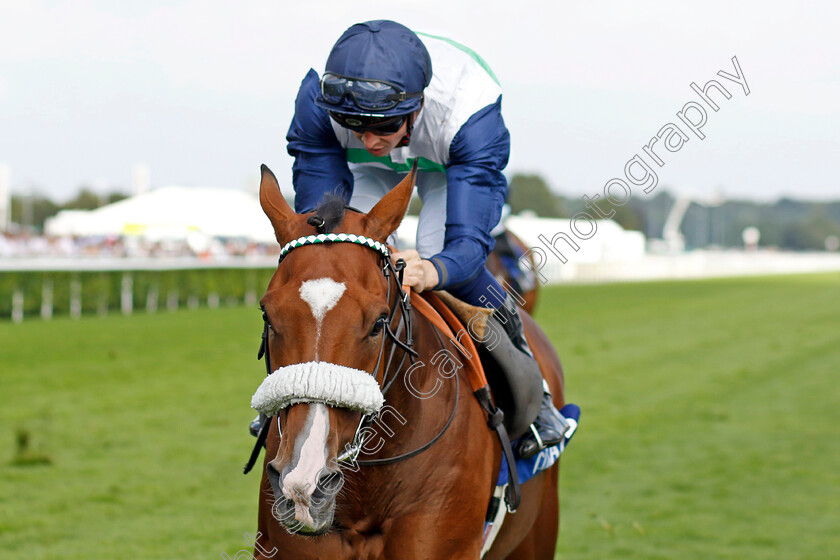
{"x":356,"y":132}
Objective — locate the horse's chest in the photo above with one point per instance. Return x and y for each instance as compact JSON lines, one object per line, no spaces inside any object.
{"x":368,"y":545}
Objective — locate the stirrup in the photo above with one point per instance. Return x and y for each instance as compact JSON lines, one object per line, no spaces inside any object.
{"x":536,"y":433}
{"x":551,"y":421}
{"x":526,"y":451}
{"x":255,"y":425}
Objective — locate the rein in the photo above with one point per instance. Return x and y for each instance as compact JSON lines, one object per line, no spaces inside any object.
{"x":393,"y":273}
{"x":431,"y":442}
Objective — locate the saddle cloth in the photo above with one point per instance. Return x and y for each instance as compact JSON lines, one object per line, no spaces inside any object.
{"x":449,"y":314}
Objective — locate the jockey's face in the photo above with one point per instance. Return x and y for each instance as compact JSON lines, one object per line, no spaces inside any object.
{"x":381,"y":144}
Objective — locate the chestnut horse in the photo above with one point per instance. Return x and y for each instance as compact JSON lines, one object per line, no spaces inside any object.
{"x":527,"y":298}
{"x":351,"y":477}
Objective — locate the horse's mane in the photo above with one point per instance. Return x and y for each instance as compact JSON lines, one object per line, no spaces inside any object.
{"x":328,"y":213}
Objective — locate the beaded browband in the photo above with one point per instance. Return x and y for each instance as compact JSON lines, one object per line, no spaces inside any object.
{"x":333,"y":238}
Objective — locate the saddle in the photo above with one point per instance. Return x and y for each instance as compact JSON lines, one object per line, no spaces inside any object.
{"x":450,"y":316}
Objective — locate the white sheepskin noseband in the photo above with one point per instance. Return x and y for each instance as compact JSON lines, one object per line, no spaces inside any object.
{"x":335,"y":385}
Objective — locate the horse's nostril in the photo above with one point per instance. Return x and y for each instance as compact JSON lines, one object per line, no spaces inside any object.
{"x":330,"y":481}
{"x":272,"y":472}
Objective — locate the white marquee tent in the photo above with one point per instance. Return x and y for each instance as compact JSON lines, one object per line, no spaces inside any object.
{"x":206,"y":213}
{"x":171,"y":212}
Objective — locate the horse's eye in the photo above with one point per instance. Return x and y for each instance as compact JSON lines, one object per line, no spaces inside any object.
{"x":265,"y":318}
{"x":379,"y":324}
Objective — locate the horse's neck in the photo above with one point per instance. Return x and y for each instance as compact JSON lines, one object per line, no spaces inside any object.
{"x":421,"y":395}
{"x":419,"y":406}
{"x":425,"y":383}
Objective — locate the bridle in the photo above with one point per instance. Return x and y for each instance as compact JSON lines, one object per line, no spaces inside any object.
{"x":393,"y":273}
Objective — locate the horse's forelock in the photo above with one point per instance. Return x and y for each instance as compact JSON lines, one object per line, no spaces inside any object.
{"x":330,"y":211}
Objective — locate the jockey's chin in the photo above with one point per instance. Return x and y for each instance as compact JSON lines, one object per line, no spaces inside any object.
{"x":380,"y":145}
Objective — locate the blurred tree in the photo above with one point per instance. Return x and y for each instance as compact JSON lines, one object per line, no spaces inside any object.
{"x":810,"y":234}
{"x":832,"y":210}
{"x":800,"y":237}
{"x":115,"y":196}
{"x":628,"y":216}
{"x":531,"y":192}
{"x":85,"y":200}
{"x":654,"y":211}
{"x":33,"y":210}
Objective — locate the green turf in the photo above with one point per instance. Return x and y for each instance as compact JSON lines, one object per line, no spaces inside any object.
{"x":709,"y":429}
{"x":144,"y":424}
{"x":710,"y":418}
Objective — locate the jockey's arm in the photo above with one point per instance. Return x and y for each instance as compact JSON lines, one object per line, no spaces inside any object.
{"x":475,"y":193}
{"x":320,"y":165}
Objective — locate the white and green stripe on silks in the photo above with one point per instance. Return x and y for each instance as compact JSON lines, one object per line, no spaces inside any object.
{"x":462,"y":84}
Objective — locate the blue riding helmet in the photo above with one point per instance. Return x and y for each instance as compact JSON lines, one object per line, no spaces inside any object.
{"x":375,"y":69}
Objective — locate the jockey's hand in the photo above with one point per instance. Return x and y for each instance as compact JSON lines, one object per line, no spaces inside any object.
{"x":419,"y":274}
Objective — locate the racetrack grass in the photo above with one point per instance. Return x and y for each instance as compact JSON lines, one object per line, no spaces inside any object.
{"x":709,"y":428}
{"x":710,"y":418}
{"x":143,"y":421}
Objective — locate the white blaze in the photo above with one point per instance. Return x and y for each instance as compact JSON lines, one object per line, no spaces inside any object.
{"x":310,"y":456}
{"x":321,"y":295}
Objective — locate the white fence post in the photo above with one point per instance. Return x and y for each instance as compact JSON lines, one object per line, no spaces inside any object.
{"x":75,"y":298}
{"x":17,"y":305}
{"x":47,"y":299}
{"x":126,"y":295}
{"x":172,"y":300}
{"x":102,"y":296}
{"x":152,"y":298}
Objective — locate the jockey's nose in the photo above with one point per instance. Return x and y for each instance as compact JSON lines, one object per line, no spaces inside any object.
{"x":369,"y":139}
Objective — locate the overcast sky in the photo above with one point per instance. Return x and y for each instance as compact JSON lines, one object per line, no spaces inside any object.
{"x":202,"y":91}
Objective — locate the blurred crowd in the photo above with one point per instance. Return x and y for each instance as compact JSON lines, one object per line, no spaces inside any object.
{"x":27,"y":245}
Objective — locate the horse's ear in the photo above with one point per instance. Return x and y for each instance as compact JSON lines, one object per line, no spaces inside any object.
{"x":385,"y":217}
{"x":274,"y":205}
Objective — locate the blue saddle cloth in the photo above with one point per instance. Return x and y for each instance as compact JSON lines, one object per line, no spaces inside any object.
{"x":528,"y":468}
{"x":520,"y":275}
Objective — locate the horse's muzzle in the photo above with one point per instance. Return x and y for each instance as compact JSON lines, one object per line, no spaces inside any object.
{"x":300,"y":511}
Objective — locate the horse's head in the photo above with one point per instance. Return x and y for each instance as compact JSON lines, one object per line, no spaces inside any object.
{"x":325,"y":307}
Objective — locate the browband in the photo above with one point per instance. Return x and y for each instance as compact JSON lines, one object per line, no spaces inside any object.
{"x":333,"y":238}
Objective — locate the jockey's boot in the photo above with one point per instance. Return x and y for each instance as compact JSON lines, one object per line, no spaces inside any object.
{"x":549,"y":426}
{"x":256,"y":424}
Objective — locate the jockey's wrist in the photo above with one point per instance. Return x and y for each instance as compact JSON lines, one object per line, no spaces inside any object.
{"x":430,"y":275}
{"x":440,"y":270}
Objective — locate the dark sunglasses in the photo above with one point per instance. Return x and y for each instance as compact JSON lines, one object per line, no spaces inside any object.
{"x":381,"y":126}
{"x":368,"y":95}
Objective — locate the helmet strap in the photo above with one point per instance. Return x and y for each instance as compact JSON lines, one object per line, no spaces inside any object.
{"x":409,"y":127}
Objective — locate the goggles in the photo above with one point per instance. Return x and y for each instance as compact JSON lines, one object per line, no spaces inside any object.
{"x":368,"y":95}
{"x":376,"y":125}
